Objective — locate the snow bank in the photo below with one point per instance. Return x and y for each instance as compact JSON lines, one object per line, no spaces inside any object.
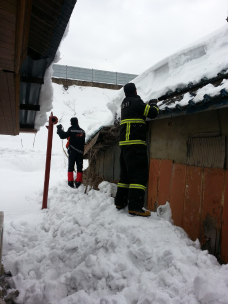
{"x":85,"y":251}
{"x":46,"y":98}
{"x":206,"y":58}
{"x":87,"y":103}
{"x":46,"y":92}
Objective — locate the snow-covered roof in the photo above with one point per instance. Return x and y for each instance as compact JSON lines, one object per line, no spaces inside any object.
{"x":208,"y":97}
{"x":203,"y":60}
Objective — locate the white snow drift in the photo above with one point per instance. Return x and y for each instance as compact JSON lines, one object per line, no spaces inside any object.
{"x":85,"y":251}
{"x":205,"y":58}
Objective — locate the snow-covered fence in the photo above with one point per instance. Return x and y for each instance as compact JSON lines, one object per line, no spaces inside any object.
{"x":91,"y":75}
{"x":1,"y":236}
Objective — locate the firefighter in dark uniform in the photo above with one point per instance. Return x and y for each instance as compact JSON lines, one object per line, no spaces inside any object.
{"x":76,"y":142}
{"x":133,"y":155}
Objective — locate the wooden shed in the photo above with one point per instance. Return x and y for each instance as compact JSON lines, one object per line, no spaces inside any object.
{"x":188,"y":161}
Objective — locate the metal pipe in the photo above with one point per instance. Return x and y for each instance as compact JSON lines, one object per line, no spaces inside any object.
{"x":1,"y":239}
{"x":52,"y":121}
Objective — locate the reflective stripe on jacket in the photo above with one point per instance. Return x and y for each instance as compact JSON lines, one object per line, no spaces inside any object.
{"x":133,"y":115}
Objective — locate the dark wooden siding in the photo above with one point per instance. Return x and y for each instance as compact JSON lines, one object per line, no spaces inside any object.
{"x":7,"y":34}
{"x":107,"y":163}
{"x":7,"y":104}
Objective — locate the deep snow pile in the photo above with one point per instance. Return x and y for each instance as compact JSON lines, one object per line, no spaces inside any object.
{"x":205,"y":58}
{"x":84,"y":251}
{"x":87,"y":103}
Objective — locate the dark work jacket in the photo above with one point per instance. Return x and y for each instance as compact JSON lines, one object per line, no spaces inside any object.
{"x":77,"y":137}
{"x":133,"y":120}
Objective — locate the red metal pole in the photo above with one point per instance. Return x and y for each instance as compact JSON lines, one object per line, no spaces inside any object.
{"x":52,"y":121}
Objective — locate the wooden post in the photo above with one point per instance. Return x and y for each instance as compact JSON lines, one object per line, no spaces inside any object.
{"x":52,"y":121}
{"x":1,"y":241}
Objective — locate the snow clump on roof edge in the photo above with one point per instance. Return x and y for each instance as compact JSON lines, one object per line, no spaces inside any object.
{"x":205,"y":58}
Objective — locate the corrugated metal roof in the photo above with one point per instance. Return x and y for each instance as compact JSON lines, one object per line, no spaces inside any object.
{"x":173,"y":106}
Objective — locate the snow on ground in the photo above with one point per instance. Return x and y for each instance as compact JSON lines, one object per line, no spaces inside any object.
{"x":84,"y":251}
{"x":205,"y":58}
{"x":86,"y":103}
{"x":81,"y":249}
{"x":23,"y":157}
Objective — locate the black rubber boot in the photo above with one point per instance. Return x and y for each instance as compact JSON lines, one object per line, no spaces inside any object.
{"x":121,"y":206}
{"x":71,"y":184}
{"x":77,"y":184}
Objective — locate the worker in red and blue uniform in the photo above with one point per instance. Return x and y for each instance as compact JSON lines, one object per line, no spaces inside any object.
{"x":133,"y":155}
{"x":75,"y":146}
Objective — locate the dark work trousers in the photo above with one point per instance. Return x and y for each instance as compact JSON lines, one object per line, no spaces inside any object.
{"x":74,"y":157}
{"x":133,"y":177}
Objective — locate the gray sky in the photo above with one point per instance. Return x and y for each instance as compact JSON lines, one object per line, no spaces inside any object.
{"x":131,"y":35}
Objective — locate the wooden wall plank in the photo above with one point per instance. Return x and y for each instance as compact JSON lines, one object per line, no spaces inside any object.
{"x":192,"y":203}
{"x":116,"y":173}
{"x":6,"y":51}
{"x":6,"y":64}
{"x":7,"y":32}
{"x":4,"y":24}
{"x":22,"y":31}
{"x":6,"y":56}
{"x":4,"y":15}
{"x":224,"y":232}
{"x":5,"y":100}
{"x":14,"y":2}
{"x":11,"y":88}
{"x":101,"y":164}
{"x":212,"y":209}
{"x":153,"y":181}
{"x":27,"y":21}
{"x":6,"y":45}
{"x":164,"y":181}
{"x":177,"y":193}
{"x":3,"y":129}
{"x":9,"y":6}
{"x":7,"y":38}
{"x":17,"y":103}
{"x":108,"y":165}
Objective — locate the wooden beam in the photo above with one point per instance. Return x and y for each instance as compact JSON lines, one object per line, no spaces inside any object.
{"x":7,"y":25}
{"x":32,"y":80}
{"x":17,"y":103}
{"x":27,"y":126}
{"x":1,"y":237}
{"x":30,"y":107}
{"x":24,"y":9}
{"x":25,"y":130}
{"x":8,"y":7}
{"x":11,"y":88}
{"x":5,"y":101}
{"x":7,"y":16}
{"x":6,"y":64}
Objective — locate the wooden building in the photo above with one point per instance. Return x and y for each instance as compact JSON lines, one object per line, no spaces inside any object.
{"x":188,"y":161}
{"x":30,"y":34}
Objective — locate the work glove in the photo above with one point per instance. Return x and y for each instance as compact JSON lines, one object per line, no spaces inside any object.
{"x":59,"y":128}
{"x":153,"y":102}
